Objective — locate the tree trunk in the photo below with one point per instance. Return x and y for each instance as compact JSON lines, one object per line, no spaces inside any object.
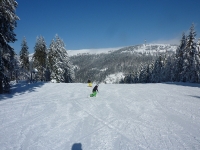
{"x":1,"y":86}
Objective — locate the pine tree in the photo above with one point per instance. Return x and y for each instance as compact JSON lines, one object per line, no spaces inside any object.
{"x":24,"y":55}
{"x":150,"y":72}
{"x":191,"y":38}
{"x":143,"y":73}
{"x":8,"y":23}
{"x":195,"y":64}
{"x":130,"y":78}
{"x":178,"y":70}
{"x":40,"y":58}
{"x":156,"y":73}
{"x":164,"y":73}
{"x":189,"y":56}
{"x":169,"y":70}
{"x":55,"y":72}
{"x":198,"y":46}
{"x":59,"y":63}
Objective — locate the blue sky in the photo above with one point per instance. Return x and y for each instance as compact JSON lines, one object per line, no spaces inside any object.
{"x":91,"y":24}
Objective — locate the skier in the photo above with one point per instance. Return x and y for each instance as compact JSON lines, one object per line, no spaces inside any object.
{"x":94,"y":91}
{"x":89,"y":83}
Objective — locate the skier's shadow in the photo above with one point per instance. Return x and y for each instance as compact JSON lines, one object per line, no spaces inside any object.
{"x":77,"y":146}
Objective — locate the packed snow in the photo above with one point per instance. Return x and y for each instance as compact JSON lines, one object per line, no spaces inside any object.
{"x":60,"y":116}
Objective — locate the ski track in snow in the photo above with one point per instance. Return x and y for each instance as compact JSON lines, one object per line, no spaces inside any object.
{"x":121,"y":117}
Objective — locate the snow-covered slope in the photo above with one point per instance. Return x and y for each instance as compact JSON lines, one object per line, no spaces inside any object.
{"x":91,"y":51}
{"x":149,"y":48}
{"x":122,"y":117}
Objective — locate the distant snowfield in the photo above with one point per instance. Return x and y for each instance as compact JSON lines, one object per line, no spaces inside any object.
{"x":91,"y":51}
{"x":55,"y":116}
{"x":141,"y":48}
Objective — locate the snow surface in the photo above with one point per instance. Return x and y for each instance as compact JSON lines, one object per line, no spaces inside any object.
{"x":50,"y":116}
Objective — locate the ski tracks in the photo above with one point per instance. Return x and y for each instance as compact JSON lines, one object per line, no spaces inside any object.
{"x":180,"y":129}
{"x":110,"y":115}
{"x":121,"y":117}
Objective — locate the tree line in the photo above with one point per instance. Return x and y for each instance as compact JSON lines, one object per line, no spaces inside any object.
{"x":46,"y":63}
{"x":8,"y":23}
{"x":97,"y":67}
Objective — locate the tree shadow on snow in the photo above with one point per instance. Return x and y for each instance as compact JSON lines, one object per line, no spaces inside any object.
{"x":21,"y":88}
{"x":184,"y":84}
{"x":195,"y":96}
{"x":77,"y":146}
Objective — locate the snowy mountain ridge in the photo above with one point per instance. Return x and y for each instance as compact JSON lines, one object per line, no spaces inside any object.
{"x":148,"y":48}
{"x":152,"y":48}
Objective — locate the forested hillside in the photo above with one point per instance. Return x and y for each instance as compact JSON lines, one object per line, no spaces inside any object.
{"x":97,"y":67}
{"x":152,"y":63}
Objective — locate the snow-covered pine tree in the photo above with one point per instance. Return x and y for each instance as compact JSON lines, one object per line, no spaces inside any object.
{"x":8,"y":23}
{"x":195,"y":64}
{"x":135,"y":76}
{"x":198,"y":46}
{"x":178,"y":69}
{"x":40,"y":58}
{"x":164,"y":73}
{"x":198,"y":59}
{"x":188,"y":56}
{"x":130,"y":77}
{"x":59,"y":63}
{"x":55,"y":72}
{"x":67,"y":65}
{"x":24,"y":55}
{"x":168,"y":70}
{"x":156,"y":73}
{"x":23,"y":72}
{"x":150,"y":71}
{"x":191,"y":38}
{"x":143,"y":73}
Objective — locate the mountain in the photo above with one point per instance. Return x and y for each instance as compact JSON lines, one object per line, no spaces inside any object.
{"x":143,"y":48}
{"x":102,"y":64}
{"x":111,"y":64}
{"x":91,"y":51}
